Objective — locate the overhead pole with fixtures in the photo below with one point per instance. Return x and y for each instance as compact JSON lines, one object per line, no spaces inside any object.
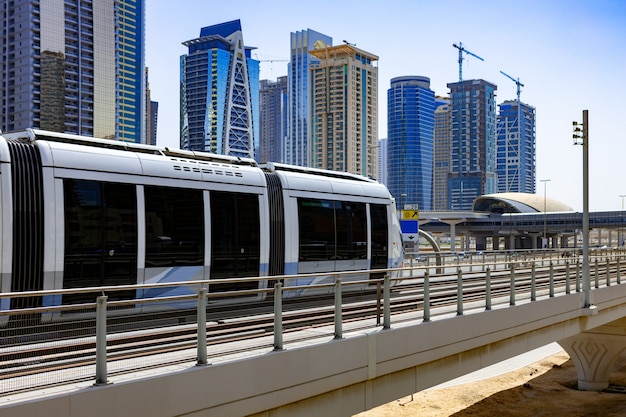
{"x":581,"y":137}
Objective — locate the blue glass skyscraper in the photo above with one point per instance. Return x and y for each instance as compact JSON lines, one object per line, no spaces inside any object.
{"x":219,"y":93}
{"x":410,"y":129}
{"x":516,"y":148}
{"x":297,"y":146}
{"x":473,"y":143}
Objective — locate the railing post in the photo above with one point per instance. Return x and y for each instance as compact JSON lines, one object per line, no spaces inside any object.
{"x":386,"y":303}
{"x":338,"y":311}
{"x":619,"y":280}
{"x":596,"y":273}
{"x":577,"y":275}
{"x":459,"y":292}
{"x":101,"y":340}
{"x":278,"y":316}
{"x":533,"y":282}
{"x":488,"y":289}
{"x":201,"y":314}
{"x":551,"y":279}
{"x":512,"y":286}
{"x":608,"y":273}
{"x":567,"y":279}
{"x":426,"y":296}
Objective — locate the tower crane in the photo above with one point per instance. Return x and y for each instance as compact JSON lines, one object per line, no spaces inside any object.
{"x":271,"y":61}
{"x":461,"y":50}
{"x":517,"y":82}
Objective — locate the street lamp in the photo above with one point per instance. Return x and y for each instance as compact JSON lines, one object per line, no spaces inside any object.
{"x":545,"y":215}
{"x":581,"y":137}
{"x":620,"y":229}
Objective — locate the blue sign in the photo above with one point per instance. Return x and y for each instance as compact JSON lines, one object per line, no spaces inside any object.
{"x":408,"y":226}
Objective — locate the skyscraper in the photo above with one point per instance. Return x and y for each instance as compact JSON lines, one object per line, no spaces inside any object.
{"x":273,"y":119}
{"x":441,"y":153}
{"x":297,"y":144}
{"x":219,"y":94}
{"x":473,"y":145}
{"x":410,"y":129}
{"x":344,"y":109}
{"x":516,"y":147}
{"x":74,"y":66}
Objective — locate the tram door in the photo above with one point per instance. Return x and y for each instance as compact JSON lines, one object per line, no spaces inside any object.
{"x":100,"y":237}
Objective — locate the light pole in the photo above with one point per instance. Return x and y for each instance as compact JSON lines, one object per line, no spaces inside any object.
{"x":581,"y":137}
{"x":619,"y":243}
{"x":545,"y":214}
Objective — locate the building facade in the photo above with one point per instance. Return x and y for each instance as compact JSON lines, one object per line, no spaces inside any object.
{"x":410,"y":129}
{"x":297,"y":145}
{"x":273,"y":119}
{"x":219,"y":93}
{"x":473,"y":144}
{"x":441,"y":152}
{"x":344,"y":109}
{"x":516,"y":148}
{"x":74,"y":66}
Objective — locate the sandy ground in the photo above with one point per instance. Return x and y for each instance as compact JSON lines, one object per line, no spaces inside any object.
{"x":544,"y":388}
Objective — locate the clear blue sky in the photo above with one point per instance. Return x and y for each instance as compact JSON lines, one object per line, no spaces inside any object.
{"x":569,"y":54}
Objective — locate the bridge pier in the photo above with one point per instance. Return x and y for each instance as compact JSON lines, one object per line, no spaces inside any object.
{"x":594,"y":352}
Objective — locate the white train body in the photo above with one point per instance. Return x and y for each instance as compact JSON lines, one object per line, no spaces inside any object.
{"x":81,"y":212}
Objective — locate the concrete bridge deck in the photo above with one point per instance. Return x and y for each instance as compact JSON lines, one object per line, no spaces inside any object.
{"x":370,"y":365}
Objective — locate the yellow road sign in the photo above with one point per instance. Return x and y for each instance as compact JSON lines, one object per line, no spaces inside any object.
{"x":410,"y":215}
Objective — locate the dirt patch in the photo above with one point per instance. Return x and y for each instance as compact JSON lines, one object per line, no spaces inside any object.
{"x":545,"y":388}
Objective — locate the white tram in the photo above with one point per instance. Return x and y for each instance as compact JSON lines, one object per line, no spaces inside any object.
{"x":82,"y":212}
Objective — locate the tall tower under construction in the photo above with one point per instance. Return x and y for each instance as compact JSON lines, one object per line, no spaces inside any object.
{"x":473,"y":143}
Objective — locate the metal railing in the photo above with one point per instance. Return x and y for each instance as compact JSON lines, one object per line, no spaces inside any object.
{"x":49,"y":345}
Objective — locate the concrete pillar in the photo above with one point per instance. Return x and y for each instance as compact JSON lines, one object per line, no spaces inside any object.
{"x":453,"y":223}
{"x":534,"y":237}
{"x":511,"y":242}
{"x":481,"y":243}
{"x":594,"y":352}
{"x":495,"y":242}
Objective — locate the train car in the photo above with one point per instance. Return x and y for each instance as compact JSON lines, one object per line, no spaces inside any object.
{"x":83,"y":212}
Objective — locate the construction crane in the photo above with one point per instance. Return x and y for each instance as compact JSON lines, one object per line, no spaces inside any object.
{"x":461,"y":50}
{"x":517,"y":82}
{"x":271,"y":61}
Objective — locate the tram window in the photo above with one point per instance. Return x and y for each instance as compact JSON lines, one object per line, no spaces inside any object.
{"x":100,"y":236}
{"x":174,"y":227}
{"x":351,"y":231}
{"x":331,"y":230}
{"x":235,"y":238}
{"x":378,"y":216}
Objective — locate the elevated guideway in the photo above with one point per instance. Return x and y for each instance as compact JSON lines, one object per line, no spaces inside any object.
{"x":461,"y":321}
{"x":523,"y":230}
